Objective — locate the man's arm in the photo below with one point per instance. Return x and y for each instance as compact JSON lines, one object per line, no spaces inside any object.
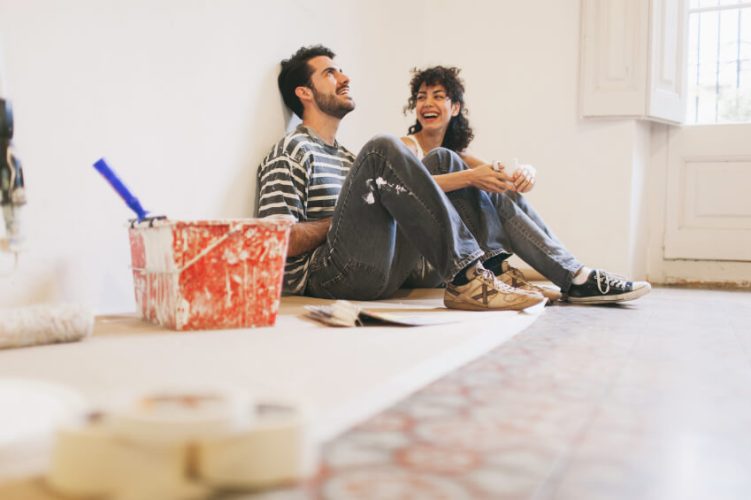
{"x":307,"y":236}
{"x":282,"y":193}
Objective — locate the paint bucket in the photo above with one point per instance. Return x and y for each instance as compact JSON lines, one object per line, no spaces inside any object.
{"x":200,"y":275}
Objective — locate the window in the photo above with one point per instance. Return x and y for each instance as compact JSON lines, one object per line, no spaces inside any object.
{"x":719,"y":61}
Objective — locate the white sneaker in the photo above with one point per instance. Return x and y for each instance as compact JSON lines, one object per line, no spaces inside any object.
{"x":515,"y":278}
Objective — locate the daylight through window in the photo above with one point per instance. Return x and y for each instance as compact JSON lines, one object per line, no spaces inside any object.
{"x":719,"y":61}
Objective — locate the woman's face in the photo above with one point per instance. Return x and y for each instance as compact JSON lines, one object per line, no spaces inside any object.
{"x":433,"y":107}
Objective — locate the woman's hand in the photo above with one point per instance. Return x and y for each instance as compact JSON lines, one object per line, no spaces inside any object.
{"x":524,"y":179}
{"x":487,"y":178}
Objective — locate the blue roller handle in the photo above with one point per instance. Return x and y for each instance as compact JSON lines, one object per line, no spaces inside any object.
{"x":117,"y":184}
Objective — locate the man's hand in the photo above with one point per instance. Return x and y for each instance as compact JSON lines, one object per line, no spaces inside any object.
{"x":307,"y":236}
{"x":487,"y":178}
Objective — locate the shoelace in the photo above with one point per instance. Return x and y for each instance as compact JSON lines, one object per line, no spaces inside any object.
{"x":608,"y":280}
{"x":488,"y":276}
{"x":518,"y":277}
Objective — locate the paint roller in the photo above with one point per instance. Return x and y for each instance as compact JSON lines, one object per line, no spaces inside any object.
{"x":120,"y":188}
{"x":44,"y":324}
{"x":41,"y":324}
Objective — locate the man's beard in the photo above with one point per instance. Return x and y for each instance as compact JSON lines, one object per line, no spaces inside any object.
{"x":332,"y":106}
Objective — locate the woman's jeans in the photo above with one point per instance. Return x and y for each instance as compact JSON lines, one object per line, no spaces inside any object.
{"x":502,"y":223}
{"x":505,"y":223}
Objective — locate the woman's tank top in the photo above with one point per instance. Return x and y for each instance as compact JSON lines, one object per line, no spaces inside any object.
{"x":420,"y":153}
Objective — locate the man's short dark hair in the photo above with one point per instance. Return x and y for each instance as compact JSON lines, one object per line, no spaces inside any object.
{"x":296,"y":73}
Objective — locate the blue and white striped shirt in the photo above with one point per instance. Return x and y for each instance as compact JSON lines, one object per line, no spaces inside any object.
{"x":302,"y":176}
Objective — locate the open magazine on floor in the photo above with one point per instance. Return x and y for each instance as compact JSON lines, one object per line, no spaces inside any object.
{"x":345,"y":313}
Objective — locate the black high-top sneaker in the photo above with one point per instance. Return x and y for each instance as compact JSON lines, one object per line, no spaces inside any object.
{"x":602,"y":287}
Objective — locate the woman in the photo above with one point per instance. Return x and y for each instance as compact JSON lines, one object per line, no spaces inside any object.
{"x":497,"y":206}
{"x":437,"y":98}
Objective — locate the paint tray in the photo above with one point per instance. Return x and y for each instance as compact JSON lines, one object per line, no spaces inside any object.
{"x":196,"y":275}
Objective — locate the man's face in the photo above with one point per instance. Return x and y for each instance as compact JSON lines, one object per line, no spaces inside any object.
{"x":330,"y":87}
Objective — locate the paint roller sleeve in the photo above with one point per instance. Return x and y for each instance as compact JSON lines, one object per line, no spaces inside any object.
{"x":43,"y":324}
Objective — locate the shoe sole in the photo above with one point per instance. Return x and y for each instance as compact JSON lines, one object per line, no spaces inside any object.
{"x":550,"y":294}
{"x":609,"y":299}
{"x":467,"y":306}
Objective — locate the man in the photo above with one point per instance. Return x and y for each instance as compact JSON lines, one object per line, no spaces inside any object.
{"x":364,"y":222}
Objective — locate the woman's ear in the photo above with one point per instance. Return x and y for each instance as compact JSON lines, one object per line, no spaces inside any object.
{"x":455,"y":108}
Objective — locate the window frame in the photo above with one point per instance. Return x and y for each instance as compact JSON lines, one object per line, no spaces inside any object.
{"x":694,"y":67}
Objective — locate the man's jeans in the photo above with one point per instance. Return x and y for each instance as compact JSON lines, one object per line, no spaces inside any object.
{"x":506,"y":223}
{"x":389,"y":213}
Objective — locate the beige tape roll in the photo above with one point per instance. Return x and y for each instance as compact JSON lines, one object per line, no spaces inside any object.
{"x":83,"y":462}
{"x":275,"y":450}
{"x":180,"y":416}
{"x":89,"y":461}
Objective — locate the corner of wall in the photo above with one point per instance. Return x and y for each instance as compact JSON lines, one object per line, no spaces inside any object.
{"x":657,"y":185}
{"x":639,"y":200}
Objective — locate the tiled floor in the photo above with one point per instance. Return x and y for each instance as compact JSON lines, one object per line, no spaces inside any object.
{"x":644,"y":401}
{"x":648,"y":401}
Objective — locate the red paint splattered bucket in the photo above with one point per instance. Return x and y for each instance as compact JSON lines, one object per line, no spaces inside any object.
{"x":209,"y":274}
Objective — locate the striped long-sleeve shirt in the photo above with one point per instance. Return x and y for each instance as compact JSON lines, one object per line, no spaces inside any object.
{"x":302,"y":176}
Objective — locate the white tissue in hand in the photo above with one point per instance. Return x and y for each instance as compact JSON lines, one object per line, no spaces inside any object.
{"x":510,"y":167}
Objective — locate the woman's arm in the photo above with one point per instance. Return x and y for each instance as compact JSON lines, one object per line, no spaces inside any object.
{"x":522,"y":181}
{"x":471,"y":160}
{"x":480,"y":174}
{"x":482,"y":177}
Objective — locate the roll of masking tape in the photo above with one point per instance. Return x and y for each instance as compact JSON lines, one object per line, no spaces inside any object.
{"x":83,"y":462}
{"x":181,"y":416}
{"x":89,"y":461}
{"x":274,"y":450}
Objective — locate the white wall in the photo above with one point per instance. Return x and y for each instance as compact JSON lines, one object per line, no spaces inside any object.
{"x":180,"y":96}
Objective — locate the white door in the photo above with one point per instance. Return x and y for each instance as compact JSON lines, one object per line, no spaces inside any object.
{"x":708,"y":204}
{"x":708,"y":212}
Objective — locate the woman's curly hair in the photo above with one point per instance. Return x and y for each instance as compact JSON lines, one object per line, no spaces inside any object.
{"x":459,"y":134}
